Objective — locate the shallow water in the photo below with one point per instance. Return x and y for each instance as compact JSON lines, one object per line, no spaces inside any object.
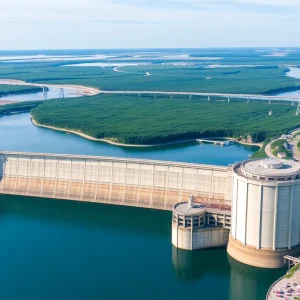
{"x":294,"y":72}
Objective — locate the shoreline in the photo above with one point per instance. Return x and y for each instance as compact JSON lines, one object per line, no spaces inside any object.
{"x":260,"y":145}
{"x":122,"y":144}
{"x":88,"y":91}
{"x":4,"y":102}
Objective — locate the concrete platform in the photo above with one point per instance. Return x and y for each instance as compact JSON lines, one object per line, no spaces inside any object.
{"x":259,"y":257}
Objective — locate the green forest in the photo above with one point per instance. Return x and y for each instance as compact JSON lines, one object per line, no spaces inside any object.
{"x":18,"y":107}
{"x":194,"y":78}
{"x":7,"y":89}
{"x":145,"y":120}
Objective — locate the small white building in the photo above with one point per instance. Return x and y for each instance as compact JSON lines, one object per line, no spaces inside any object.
{"x":281,"y":155}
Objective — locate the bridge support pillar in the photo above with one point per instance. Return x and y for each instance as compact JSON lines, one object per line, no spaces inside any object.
{"x":208,"y":98}
{"x":228,"y":99}
{"x":45,"y":92}
{"x":62,"y":94}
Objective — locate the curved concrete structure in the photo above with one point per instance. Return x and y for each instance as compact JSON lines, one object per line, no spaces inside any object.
{"x":196,"y":227}
{"x":259,"y":257}
{"x":131,"y":182}
{"x":265,"y":212}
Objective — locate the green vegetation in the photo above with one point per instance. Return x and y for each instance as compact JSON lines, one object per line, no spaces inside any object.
{"x":296,"y":133}
{"x":292,"y":271}
{"x":145,"y":120}
{"x":278,"y":146}
{"x":18,"y":107}
{"x":261,"y":153}
{"x":7,"y":89}
{"x":197,"y":78}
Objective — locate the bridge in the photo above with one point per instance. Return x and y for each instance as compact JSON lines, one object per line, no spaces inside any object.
{"x":83,"y":90}
{"x":227,"y":96}
{"x":130,"y":182}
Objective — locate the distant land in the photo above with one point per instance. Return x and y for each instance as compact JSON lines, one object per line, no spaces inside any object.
{"x":145,"y":120}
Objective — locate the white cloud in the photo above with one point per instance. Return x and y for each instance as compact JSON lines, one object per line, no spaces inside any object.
{"x":281,"y":3}
{"x":148,"y":23}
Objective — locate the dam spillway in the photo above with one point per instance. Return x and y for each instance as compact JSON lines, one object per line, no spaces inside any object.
{"x":130,"y":182}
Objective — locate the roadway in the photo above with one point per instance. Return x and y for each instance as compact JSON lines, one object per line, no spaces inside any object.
{"x":225,"y":95}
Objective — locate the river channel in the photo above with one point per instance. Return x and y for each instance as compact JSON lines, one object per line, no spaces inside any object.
{"x":53,"y":249}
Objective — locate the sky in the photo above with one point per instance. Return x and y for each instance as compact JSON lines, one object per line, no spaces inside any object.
{"x":106,"y":24}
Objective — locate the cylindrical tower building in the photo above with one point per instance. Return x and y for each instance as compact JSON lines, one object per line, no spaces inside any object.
{"x":265,"y":212}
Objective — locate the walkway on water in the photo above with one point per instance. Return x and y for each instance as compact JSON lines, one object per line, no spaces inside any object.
{"x":217,"y":142}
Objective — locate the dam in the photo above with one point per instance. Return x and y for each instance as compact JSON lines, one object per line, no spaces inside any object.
{"x":130,"y":182}
{"x":253,"y":207}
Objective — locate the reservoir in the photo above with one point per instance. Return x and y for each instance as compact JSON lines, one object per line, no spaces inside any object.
{"x":53,"y":249}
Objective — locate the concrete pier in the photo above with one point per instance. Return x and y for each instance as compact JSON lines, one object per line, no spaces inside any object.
{"x":220,"y":143}
{"x":197,"y":227}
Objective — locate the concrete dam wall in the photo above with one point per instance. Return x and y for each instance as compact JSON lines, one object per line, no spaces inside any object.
{"x":131,"y":182}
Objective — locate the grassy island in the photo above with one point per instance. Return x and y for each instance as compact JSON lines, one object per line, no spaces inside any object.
{"x":145,"y":120}
{"x":7,"y":89}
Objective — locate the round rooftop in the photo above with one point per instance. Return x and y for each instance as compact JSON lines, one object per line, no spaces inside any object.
{"x":271,"y":164}
{"x":184,"y":208}
{"x":269,"y":169}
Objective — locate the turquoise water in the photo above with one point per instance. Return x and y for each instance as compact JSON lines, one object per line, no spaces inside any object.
{"x":53,"y":249}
